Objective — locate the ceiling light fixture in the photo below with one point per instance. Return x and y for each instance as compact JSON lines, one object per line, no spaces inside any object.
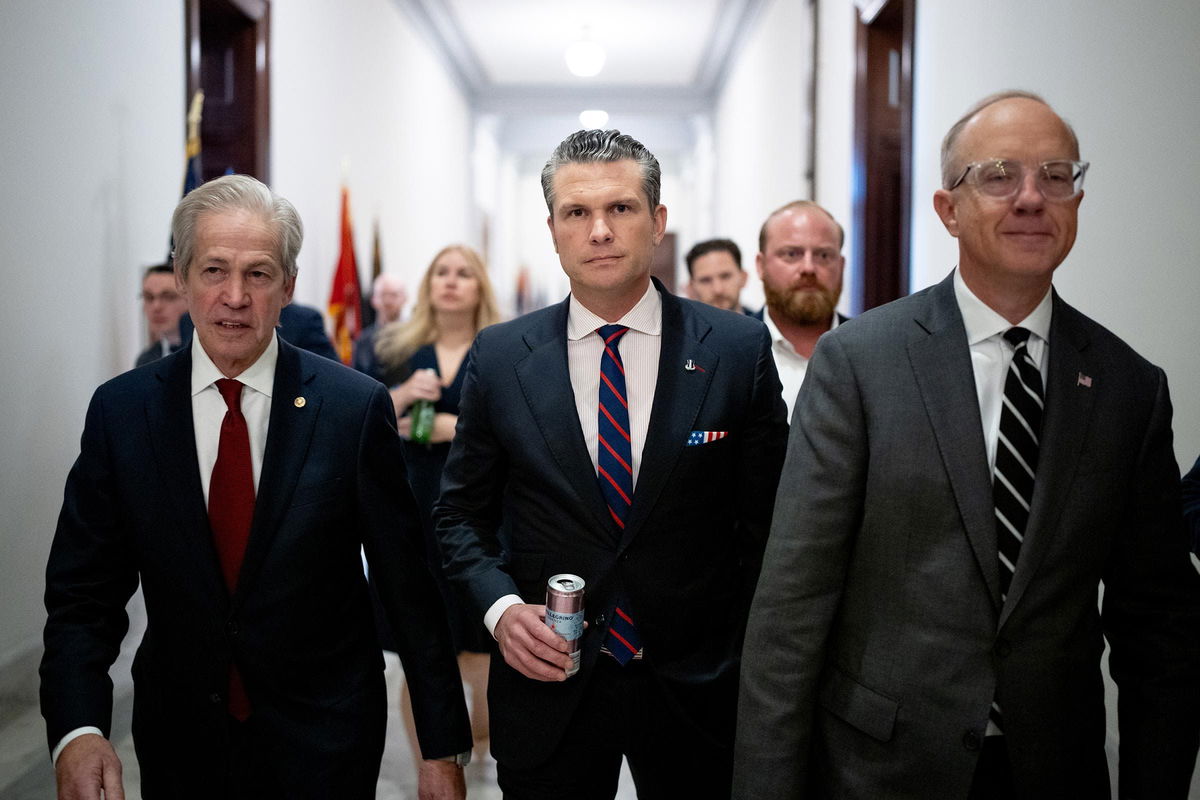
{"x":585,"y":58}
{"x":593,"y":119}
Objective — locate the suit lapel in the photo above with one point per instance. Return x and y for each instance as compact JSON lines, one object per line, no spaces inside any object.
{"x":678,"y":395}
{"x":941,"y":363}
{"x":173,"y":437}
{"x":545,"y":381}
{"x":1068,"y":414}
{"x":288,"y":436}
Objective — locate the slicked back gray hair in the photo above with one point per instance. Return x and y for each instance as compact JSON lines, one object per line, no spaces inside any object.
{"x":583,"y":147}
{"x":951,"y":166}
{"x":236,"y":193}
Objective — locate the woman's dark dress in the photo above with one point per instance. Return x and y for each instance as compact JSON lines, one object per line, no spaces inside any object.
{"x":425,"y":463}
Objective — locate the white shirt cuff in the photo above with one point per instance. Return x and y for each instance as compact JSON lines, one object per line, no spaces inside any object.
{"x":497,"y":610}
{"x":70,"y":737}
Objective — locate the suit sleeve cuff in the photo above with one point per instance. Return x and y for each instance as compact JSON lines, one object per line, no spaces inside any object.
{"x":70,"y":737}
{"x":497,"y":610}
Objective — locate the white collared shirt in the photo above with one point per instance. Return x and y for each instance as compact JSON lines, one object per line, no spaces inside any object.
{"x":208,"y":407}
{"x":991,"y":356}
{"x":791,"y":365}
{"x":640,"y":349}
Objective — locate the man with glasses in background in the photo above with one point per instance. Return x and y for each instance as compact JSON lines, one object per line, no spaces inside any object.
{"x":163,"y":305}
{"x":966,"y":466}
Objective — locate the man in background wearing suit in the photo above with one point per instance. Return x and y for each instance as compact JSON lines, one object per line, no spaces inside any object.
{"x":634,"y":439}
{"x":163,"y":305}
{"x":966,"y":465}
{"x":237,"y":479}
{"x":715,"y":274}
{"x":800,"y":263}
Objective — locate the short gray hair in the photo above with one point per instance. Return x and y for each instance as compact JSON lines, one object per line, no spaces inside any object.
{"x":235,"y":193}
{"x":951,"y":169}
{"x":583,"y":147}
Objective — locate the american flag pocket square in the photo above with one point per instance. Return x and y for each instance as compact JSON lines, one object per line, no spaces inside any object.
{"x":704,"y":437}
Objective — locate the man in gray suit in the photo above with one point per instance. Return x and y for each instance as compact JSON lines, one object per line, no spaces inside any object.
{"x":966,"y":465}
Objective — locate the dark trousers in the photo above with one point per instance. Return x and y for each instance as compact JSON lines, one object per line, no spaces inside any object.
{"x":624,"y":712}
{"x":240,"y":770}
{"x":993,"y":774}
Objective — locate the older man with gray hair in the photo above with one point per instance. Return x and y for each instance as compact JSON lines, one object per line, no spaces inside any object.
{"x":236,"y":480}
{"x":632,"y":439}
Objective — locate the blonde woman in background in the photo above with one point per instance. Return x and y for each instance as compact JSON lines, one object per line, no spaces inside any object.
{"x":426,"y":358}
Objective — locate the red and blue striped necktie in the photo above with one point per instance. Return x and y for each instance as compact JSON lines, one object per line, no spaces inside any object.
{"x":614,"y":471}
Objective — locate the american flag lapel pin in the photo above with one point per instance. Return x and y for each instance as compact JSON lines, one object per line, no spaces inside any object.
{"x":692,"y":366}
{"x":1084,"y":380}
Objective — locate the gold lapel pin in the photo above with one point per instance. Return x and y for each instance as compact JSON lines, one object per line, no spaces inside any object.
{"x":299,"y":402}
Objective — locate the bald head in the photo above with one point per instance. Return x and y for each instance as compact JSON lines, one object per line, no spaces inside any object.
{"x":953,"y":161}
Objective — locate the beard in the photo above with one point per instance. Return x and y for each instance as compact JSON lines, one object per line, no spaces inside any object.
{"x":802,"y":306}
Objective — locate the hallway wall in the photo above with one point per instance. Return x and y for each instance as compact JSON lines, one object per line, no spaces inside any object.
{"x":92,"y":141}
{"x":358,"y":96}
{"x":761,"y":131}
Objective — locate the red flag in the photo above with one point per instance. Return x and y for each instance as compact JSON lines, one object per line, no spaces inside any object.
{"x":345,"y":296}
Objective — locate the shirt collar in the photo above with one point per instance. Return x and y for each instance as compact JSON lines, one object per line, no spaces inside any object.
{"x":259,"y":376}
{"x":982,"y":322}
{"x":644,"y":317}
{"x":778,"y":338}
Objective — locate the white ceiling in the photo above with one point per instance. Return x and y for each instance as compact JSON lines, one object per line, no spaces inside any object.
{"x":666,"y":61}
{"x":660,"y":42}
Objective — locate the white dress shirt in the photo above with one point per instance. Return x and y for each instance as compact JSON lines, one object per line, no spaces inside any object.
{"x":208,"y":411}
{"x":639,"y":349}
{"x":791,"y":365}
{"x":991,"y":355}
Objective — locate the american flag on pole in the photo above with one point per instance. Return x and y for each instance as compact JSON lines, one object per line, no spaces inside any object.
{"x":704,"y":437}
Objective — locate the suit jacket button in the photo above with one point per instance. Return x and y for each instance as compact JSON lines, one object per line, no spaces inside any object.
{"x":215,"y":698}
{"x":599,"y":620}
{"x":232,"y":628}
{"x":970,"y":740}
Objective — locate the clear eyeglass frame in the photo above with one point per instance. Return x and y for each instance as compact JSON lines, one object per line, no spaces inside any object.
{"x":1058,"y":180}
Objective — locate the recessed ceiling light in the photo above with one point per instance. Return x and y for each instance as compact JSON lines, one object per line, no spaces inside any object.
{"x":585,"y":58}
{"x":593,"y":119}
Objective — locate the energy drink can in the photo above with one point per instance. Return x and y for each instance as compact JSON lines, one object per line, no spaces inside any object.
{"x":564,"y":612}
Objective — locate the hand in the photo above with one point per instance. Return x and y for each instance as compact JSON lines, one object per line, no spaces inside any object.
{"x":87,"y":765}
{"x":530,"y":646}
{"x":424,"y":384}
{"x":440,"y":780}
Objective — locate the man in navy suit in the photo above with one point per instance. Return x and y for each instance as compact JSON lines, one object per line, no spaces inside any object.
{"x":643,"y":459}
{"x":237,"y":480}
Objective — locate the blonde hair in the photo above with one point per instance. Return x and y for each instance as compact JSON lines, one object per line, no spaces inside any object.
{"x":396,"y":342}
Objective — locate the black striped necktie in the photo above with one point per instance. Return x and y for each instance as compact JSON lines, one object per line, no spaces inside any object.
{"x":1016,"y":460}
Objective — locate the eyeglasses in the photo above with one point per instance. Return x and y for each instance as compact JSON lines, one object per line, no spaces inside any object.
{"x":1002,"y":179}
{"x":166,"y":297}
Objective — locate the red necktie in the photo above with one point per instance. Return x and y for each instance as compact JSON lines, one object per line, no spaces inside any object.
{"x":231,"y":510}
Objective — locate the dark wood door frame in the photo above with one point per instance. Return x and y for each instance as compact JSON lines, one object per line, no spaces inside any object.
{"x":882,"y":161}
{"x":250,"y":114}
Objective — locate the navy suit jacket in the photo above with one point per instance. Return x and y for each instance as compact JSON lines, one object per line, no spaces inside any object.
{"x":689,"y":555}
{"x":299,"y":625}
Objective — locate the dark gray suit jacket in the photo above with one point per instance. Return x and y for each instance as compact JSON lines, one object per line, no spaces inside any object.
{"x":878,"y":639}
{"x":687,"y":560}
